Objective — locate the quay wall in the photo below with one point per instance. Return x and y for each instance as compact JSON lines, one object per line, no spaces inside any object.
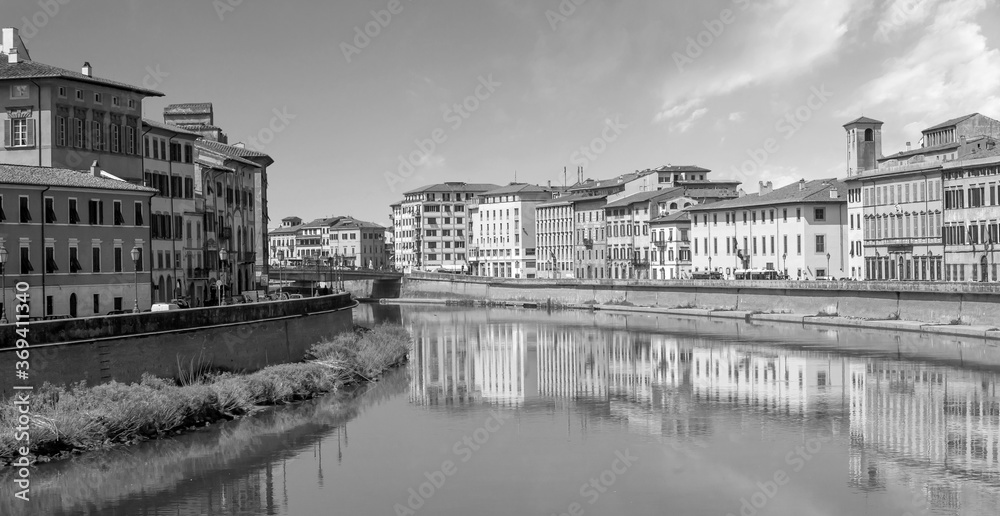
{"x":121,"y":348}
{"x":938,"y":303}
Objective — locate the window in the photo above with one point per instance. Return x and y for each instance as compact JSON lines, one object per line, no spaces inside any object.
{"x":26,"y":267}
{"x":130,"y":140}
{"x":79,"y":95}
{"x":19,"y":91}
{"x":116,"y":102}
{"x":50,"y":260}
{"x":798,"y":244}
{"x":118,"y":259}
{"x":96,"y":259}
{"x":25,"y":211}
{"x":97,"y":304}
{"x":96,"y":135}
{"x":61,"y":135}
{"x":115,"y":139}
{"x":819,"y":214}
{"x":131,"y":104}
{"x":138,"y":214}
{"x":62,"y":92}
{"x":50,"y":210}
{"x":820,"y":244}
{"x":798,"y":214}
{"x":3,"y":216}
{"x":19,"y":132}
{"x":98,"y":98}
{"x":74,"y":261}
{"x":119,"y":217}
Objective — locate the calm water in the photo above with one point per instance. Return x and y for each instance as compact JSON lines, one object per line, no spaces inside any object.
{"x":506,"y":412}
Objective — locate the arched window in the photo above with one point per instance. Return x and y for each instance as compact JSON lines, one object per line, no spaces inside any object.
{"x":869,"y":135}
{"x":72,"y":305}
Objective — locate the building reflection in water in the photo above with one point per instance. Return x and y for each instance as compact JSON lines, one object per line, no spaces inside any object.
{"x":927,"y":427}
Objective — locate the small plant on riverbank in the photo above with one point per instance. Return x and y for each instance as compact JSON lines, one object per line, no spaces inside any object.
{"x":81,"y":417}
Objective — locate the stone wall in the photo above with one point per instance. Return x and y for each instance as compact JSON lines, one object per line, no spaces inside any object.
{"x":235,"y":338}
{"x":943,"y":303}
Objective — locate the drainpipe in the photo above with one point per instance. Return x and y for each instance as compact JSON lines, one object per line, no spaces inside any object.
{"x":45,"y":261}
{"x":38,"y":129}
{"x":173,"y":239}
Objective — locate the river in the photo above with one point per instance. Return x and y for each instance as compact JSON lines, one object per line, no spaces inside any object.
{"x":520,"y":412}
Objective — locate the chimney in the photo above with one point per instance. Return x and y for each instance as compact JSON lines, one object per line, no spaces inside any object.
{"x":87,"y":70}
{"x":765,"y":188}
{"x":741,"y":193}
{"x":95,"y":169}
{"x":834,"y":194}
{"x":802,"y":185}
{"x":907,"y":146}
{"x":12,"y":56}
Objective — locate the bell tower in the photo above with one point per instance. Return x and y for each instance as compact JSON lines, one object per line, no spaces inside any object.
{"x":864,"y":145}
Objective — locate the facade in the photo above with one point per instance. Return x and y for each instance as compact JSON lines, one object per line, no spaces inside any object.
{"x":176,"y":214}
{"x":341,"y":242}
{"x":972,"y":217}
{"x":554,"y":235}
{"x":431,"y":229}
{"x":69,"y":235}
{"x":800,"y":230}
{"x":671,"y":238}
{"x":590,"y":224}
{"x":629,"y":243}
{"x":668,"y":176}
{"x":282,"y":241}
{"x":59,"y":118}
{"x":505,"y":230}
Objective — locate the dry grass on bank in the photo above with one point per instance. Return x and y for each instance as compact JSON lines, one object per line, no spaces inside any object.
{"x":81,"y":417}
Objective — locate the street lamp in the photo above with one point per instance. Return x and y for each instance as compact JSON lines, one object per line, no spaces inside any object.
{"x":136,"y":255}
{"x":223,"y":257}
{"x":3,"y":285}
{"x":784,"y":264}
{"x":827,"y":265}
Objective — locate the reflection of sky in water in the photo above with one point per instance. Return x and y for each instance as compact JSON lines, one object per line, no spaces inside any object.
{"x":906,"y":422}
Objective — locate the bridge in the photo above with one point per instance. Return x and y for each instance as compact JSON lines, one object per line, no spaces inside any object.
{"x":361,"y":283}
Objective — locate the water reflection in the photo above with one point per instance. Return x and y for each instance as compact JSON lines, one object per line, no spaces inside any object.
{"x":925,"y":426}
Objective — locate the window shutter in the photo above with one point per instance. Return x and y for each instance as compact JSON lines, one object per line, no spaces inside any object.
{"x":31,"y":133}
{"x":6,"y":133}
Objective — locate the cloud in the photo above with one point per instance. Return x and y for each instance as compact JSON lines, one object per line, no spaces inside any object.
{"x":770,"y":42}
{"x":950,"y":71}
{"x":737,"y":116}
{"x":900,"y":15}
{"x":688,"y":122}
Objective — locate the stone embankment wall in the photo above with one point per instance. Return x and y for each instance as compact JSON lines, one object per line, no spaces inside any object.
{"x":236,"y":338}
{"x":940,"y":303}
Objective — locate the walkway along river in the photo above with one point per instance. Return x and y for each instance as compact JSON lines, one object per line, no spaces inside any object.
{"x":505,"y":412}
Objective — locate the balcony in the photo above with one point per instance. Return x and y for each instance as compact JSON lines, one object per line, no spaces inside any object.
{"x":640,"y":264}
{"x":662,"y":243}
{"x":588,"y":243}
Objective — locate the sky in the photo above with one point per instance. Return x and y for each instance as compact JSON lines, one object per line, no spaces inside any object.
{"x":359,"y":101}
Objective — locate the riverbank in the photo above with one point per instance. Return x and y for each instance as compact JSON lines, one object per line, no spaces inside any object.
{"x":67,"y":420}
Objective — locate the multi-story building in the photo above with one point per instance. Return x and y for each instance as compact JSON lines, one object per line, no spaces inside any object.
{"x":60,"y":118}
{"x":282,"y":241}
{"x":70,"y":236}
{"x":897,"y":204}
{"x":505,"y":230}
{"x":800,"y":229}
{"x":200,"y":118}
{"x":971,"y":216}
{"x":590,"y":224}
{"x":671,"y":245}
{"x":668,"y":176}
{"x":176,"y":214}
{"x":431,"y":228}
{"x":554,"y":234}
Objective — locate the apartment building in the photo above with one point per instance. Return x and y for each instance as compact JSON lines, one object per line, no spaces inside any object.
{"x":800,"y":230}
{"x":281,"y":241}
{"x":971,"y":216}
{"x":341,"y":242}
{"x":70,"y":236}
{"x":591,"y":259}
{"x":432,"y":227}
{"x":671,"y":239}
{"x":554,"y":233}
{"x":504,"y":230}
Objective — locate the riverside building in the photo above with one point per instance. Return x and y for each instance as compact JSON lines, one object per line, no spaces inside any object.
{"x":505,"y":226}
{"x":972,"y":216}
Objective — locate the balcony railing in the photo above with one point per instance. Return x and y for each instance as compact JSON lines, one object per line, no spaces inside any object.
{"x":640,"y":264}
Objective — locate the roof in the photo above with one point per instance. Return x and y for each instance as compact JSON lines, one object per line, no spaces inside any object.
{"x":46,"y":176}
{"x":169,"y":127}
{"x":802,"y":192}
{"x":455,"y":187}
{"x":202,"y":127}
{"x":238,"y":151}
{"x":570,"y":199}
{"x":36,"y":70}
{"x":196,"y":108}
{"x":920,"y":151}
{"x":681,"y":168}
{"x":341,"y":223}
{"x":677,"y":216}
{"x":864,"y":120}
{"x":221,"y":152}
{"x":949,"y":123}
{"x":645,"y":197}
{"x":281,"y":230}
{"x":590,"y":184}
{"x":517,"y":188}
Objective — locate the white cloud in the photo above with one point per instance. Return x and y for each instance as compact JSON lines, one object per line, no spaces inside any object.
{"x":900,"y":15}
{"x":738,"y":116}
{"x":773,"y":41}
{"x":688,"y":122}
{"x":950,"y":71}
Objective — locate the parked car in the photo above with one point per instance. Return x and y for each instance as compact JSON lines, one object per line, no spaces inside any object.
{"x":707,"y":275}
{"x":295,"y":296}
{"x":55,"y":317}
{"x":117,"y":312}
{"x":164,"y":307}
{"x":182,"y":303}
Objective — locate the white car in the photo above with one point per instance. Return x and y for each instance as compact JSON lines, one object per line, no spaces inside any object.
{"x":164,"y":307}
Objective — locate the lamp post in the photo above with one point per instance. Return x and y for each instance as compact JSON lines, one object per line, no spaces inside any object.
{"x":223,"y":257}
{"x":3,"y":283}
{"x":784,"y":264}
{"x":827,"y":265}
{"x":136,"y":255}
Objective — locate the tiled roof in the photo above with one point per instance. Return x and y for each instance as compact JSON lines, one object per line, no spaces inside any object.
{"x":802,"y":192}
{"x":681,"y":168}
{"x":168,"y":127}
{"x":976,"y":154}
{"x":949,"y":123}
{"x":863,"y":120}
{"x":202,"y":127}
{"x":646,"y":197}
{"x":45,"y":176}
{"x":221,"y":152}
{"x":677,"y":216}
{"x":341,"y":223}
{"x":233,"y":150}
{"x":36,"y":70}
{"x":517,"y":188}
{"x":455,"y":187}
{"x":281,"y":230}
{"x":920,"y":151}
{"x":570,"y":199}
{"x":606,"y":183}
{"x":197,"y":108}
